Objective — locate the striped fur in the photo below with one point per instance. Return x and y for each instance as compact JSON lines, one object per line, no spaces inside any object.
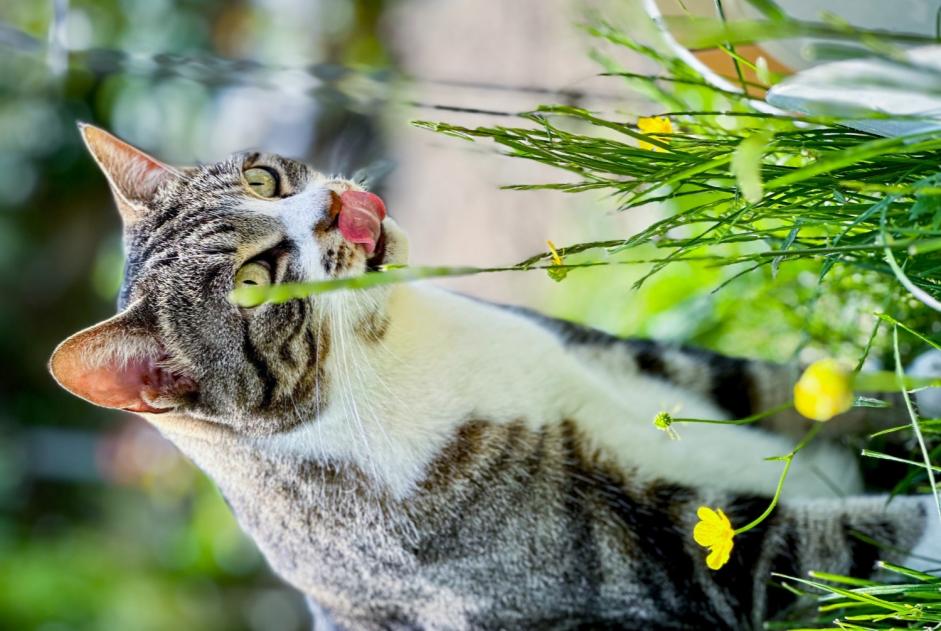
{"x":516,"y":527}
{"x":410,"y":458}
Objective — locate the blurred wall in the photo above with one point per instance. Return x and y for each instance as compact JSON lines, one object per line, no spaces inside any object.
{"x":510,"y":58}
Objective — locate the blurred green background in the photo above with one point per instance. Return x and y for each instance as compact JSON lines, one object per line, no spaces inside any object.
{"x":102,"y":524}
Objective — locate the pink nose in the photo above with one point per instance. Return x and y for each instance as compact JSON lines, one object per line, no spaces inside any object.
{"x":361,"y":216}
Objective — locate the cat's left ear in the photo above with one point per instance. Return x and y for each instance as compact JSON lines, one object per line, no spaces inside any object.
{"x":120,"y":364}
{"x":134,"y":176}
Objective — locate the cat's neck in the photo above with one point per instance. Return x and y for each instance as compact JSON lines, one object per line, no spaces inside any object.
{"x":443,"y":360}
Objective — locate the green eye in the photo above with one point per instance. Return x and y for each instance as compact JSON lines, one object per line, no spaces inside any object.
{"x":253,"y":274}
{"x":262,"y":181}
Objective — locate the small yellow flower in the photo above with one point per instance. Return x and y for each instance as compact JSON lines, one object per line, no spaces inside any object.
{"x":714,"y":531}
{"x":556,"y":274}
{"x":824,"y":390}
{"x":653,"y":125}
{"x":555,"y":254}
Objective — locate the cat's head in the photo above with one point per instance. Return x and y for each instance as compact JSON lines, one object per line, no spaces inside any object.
{"x":193,"y":234}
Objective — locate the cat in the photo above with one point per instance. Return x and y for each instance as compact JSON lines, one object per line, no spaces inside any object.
{"x":410,"y":458}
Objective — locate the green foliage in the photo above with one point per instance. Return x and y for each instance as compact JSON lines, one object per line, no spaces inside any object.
{"x":810,"y":229}
{"x":746,"y":165}
{"x":150,"y":549}
{"x":822,"y":184}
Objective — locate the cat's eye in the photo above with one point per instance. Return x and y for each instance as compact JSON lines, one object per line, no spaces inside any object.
{"x":253,"y":274}
{"x":262,"y":181}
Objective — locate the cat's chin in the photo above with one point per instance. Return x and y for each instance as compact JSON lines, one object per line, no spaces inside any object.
{"x":392,"y":247}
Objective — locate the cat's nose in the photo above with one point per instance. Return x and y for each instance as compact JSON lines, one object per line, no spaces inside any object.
{"x":361,"y":216}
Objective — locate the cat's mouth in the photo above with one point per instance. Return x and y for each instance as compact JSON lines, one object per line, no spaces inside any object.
{"x":360,"y":219}
{"x":360,"y":222}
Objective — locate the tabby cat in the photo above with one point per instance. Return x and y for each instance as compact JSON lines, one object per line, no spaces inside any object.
{"x":412,"y":458}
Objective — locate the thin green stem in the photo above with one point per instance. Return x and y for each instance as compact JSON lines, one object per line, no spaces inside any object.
{"x":868,"y":453}
{"x":730,"y":49}
{"x":742,"y":421}
{"x":788,"y":459}
{"x":275,"y":294}
{"x":914,"y":417}
{"x":887,"y":318}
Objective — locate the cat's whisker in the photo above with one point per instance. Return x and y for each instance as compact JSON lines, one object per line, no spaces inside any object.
{"x":366,"y":384}
{"x":375,"y":376}
{"x":356,"y":426}
{"x":318,"y":398}
{"x":370,"y":363}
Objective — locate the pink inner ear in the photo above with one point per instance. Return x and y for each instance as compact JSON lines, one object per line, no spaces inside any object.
{"x":126,"y":387}
{"x":116,"y":387}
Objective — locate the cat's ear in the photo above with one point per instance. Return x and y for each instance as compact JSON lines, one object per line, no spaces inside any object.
{"x":133,"y":175}
{"x":119,"y":364}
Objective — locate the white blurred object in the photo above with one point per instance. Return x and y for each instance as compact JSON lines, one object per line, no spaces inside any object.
{"x":928,"y":365}
{"x":916,"y":17}
{"x":911,"y":17}
{"x":857,"y":87}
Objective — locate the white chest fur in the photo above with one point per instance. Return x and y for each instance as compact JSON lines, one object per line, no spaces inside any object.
{"x":446,"y":359}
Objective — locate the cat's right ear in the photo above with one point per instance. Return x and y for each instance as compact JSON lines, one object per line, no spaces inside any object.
{"x":133,"y":175}
{"x":120,"y":364}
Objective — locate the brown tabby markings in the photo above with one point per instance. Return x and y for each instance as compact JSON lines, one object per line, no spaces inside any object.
{"x":373,"y":326}
{"x":327,"y":222}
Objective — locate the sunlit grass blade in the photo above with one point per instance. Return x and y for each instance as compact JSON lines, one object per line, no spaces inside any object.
{"x":908,"y":572}
{"x":882,"y":456}
{"x":253,"y":296}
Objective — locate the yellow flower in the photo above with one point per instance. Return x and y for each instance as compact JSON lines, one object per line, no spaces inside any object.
{"x":653,"y":125}
{"x":824,"y":390}
{"x":714,"y":531}
{"x":556,"y":274}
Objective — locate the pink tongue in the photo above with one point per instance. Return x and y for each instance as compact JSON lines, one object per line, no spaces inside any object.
{"x":361,"y":216}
